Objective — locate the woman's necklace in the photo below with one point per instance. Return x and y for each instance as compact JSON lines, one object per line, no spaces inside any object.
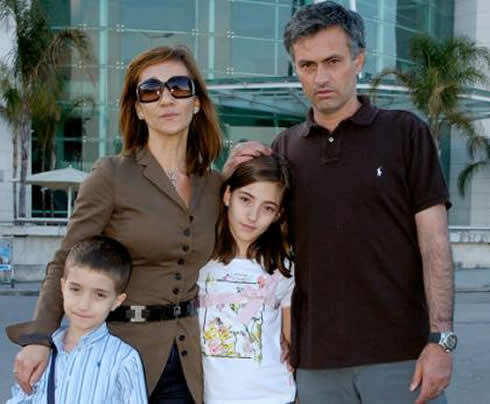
{"x":172,"y":176}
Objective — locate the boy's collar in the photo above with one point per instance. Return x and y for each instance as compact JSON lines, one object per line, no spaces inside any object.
{"x":85,"y":340}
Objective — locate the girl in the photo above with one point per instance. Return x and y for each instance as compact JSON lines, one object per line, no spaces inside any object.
{"x":246,"y":288}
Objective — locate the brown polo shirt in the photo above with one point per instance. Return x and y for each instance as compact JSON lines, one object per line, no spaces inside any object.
{"x":359,"y":296}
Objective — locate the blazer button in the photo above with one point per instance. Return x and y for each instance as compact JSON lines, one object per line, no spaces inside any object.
{"x":181,"y":261}
{"x":185,"y":248}
{"x":191,"y":218}
{"x":181,"y":337}
{"x":175,"y":291}
{"x":184,"y":353}
{"x":187,"y":232}
{"x":178,"y":276}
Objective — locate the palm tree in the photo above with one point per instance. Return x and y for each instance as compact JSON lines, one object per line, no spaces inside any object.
{"x":31,"y":83}
{"x":465,"y":176}
{"x":46,"y":126}
{"x":440,"y":73}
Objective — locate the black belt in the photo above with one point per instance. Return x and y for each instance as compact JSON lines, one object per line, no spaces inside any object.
{"x":156,"y":312}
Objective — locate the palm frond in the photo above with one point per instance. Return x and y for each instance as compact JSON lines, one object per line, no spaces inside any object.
{"x":460,"y":120}
{"x":59,"y":49}
{"x":468,"y":173}
{"x":398,"y":75}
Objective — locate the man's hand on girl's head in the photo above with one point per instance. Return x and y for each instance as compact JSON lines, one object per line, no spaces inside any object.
{"x":244,"y":152}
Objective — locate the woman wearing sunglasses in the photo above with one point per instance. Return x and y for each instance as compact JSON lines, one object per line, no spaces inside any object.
{"x":160,"y":199}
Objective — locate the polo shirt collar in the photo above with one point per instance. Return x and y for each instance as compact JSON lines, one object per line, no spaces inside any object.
{"x":364,"y":116}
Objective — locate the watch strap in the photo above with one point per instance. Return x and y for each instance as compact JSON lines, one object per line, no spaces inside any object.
{"x":434,"y":337}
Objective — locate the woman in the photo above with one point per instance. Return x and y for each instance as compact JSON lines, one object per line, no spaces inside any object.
{"x":160,"y":199}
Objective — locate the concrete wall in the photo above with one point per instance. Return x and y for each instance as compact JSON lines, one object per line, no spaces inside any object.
{"x":471,"y":248}
{"x":33,"y":247}
{"x":6,"y":202}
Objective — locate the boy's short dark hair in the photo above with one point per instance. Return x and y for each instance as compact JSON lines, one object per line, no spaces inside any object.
{"x":105,"y":255}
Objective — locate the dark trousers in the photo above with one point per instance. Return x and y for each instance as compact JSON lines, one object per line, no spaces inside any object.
{"x":172,"y":387}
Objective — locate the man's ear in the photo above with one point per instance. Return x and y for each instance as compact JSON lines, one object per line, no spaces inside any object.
{"x":118,"y":301}
{"x":359,"y":60}
{"x":227,"y":196}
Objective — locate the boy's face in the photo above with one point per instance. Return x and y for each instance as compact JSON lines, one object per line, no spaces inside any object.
{"x":88,"y":297}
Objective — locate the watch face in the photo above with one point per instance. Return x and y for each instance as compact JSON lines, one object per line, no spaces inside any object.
{"x":451,"y":341}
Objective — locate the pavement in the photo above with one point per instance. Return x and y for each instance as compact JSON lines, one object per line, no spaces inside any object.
{"x":467,"y":281}
{"x":471,"y":376}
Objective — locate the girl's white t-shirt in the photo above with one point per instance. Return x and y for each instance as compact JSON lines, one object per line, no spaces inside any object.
{"x":240,"y":320}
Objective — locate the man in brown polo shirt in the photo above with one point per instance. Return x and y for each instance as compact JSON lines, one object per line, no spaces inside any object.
{"x":373,"y":304}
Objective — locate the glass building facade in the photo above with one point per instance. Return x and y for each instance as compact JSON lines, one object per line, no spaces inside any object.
{"x":238,"y":45}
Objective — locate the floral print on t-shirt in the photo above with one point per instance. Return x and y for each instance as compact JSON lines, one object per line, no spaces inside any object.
{"x":234,"y":307}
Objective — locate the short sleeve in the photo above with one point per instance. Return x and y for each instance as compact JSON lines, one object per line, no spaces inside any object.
{"x":425,"y":178}
{"x":285,"y":288}
{"x":130,"y":382}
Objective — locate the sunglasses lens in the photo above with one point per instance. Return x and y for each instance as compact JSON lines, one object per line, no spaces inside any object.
{"x":149,"y":91}
{"x":181,"y":86}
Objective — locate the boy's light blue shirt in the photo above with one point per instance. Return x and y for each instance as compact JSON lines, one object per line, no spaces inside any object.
{"x":100,"y":369}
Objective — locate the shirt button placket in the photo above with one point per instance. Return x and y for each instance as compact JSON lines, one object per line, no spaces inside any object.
{"x":181,"y":261}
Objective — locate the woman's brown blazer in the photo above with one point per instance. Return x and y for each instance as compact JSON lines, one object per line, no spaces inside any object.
{"x":131,"y":200}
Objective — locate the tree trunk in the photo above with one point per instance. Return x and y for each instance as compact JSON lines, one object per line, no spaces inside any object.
{"x":15,"y":157}
{"x":434,"y":126}
{"x":43,"y":168}
{"x":24,"y":162}
{"x":52,"y":167}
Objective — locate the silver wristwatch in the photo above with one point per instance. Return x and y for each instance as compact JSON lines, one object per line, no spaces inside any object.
{"x":448,"y":340}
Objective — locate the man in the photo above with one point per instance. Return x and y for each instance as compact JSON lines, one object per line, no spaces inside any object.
{"x":373,"y":304}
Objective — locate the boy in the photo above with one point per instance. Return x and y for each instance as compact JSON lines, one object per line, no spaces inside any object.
{"x":89,"y":364}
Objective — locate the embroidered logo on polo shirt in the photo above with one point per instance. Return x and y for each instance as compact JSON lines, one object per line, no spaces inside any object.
{"x":379,"y":171}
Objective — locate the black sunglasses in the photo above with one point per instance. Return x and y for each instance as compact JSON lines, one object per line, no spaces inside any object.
{"x":151,"y":90}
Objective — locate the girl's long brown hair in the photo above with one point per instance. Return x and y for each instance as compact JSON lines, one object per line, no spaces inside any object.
{"x":204,"y":140}
{"x":272,"y":249}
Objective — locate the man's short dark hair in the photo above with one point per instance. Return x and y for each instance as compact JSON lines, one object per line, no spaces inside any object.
{"x":102,"y":254}
{"x":309,"y":20}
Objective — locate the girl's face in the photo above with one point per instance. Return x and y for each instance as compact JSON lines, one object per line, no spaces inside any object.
{"x":251,"y":210}
{"x":167,"y":116}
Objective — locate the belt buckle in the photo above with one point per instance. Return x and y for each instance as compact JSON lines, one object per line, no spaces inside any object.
{"x":138,"y":314}
{"x":177,"y":310}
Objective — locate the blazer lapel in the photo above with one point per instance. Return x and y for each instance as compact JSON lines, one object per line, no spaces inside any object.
{"x":198,"y":184}
{"x":154,"y":173}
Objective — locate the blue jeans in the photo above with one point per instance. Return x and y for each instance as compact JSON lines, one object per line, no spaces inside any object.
{"x":172,"y":387}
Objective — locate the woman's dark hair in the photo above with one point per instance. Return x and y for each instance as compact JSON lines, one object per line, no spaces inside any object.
{"x":272,"y":249}
{"x":204,"y":140}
